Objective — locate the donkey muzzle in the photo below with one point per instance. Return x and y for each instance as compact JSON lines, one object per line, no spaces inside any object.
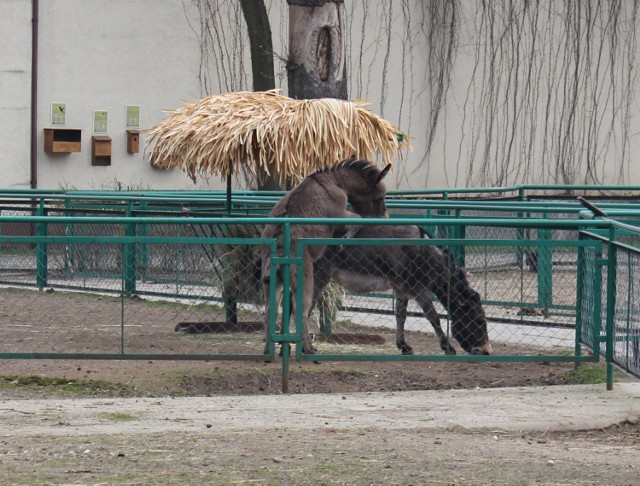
{"x":484,"y":350}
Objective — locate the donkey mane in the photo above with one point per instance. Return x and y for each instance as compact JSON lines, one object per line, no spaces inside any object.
{"x":368,"y":169}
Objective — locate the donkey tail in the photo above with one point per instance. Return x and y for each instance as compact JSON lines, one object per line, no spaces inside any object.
{"x":261,"y":271}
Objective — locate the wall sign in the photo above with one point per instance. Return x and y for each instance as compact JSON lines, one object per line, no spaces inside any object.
{"x":132,"y":116}
{"x":58,"y":113}
{"x":100,"y":121}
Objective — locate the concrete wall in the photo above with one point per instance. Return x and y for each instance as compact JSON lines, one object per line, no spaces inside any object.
{"x":98,"y":55}
{"x":497,"y":124}
{"x":15,"y":92}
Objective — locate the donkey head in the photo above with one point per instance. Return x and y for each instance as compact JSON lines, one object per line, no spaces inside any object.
{"x":367,"y":197}
{"x":469,"y":323}
{"x":468,"y":319}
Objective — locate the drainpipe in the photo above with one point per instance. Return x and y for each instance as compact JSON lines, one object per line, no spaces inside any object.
{"x":34,"y":95}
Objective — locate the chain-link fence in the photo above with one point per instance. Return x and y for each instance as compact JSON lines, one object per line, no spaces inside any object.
{"x":620,"y":284}
{"x":527,"y":278}
{"x":158,"y":283}
{"x":97,"y":285}
{"x":626,"y":320}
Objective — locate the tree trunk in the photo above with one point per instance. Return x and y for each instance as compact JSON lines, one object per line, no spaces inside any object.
{"x":261,"y":45}
{"x":316,"y":65}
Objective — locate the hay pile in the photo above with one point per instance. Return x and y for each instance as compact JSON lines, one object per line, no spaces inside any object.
{"x":224,"y":133}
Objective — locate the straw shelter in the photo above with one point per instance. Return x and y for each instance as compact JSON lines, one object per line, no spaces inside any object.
{"x":264,"y":130}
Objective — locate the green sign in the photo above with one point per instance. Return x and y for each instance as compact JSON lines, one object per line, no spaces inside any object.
{"x":58,"y":113}
{"x":133,"y":116}
{"x":100,"y":119}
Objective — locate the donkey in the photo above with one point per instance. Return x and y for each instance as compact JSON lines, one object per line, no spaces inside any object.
{"x":323,"y":194}
{"x":412,"y":271}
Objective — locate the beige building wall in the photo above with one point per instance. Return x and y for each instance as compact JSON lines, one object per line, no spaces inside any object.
{"x":15,"y":93}
{"x":504,"y":116}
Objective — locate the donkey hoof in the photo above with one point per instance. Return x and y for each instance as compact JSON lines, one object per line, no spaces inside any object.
{"x":407,"y":350}
{"x":449,"y":350}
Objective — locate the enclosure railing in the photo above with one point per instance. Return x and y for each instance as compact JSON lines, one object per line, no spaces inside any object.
{"x":106,"y":263}
{"x":432,"y":215}
{"x":246,"y":202}
{"x":622,"y":310}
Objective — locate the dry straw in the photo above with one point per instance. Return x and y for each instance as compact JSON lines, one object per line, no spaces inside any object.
{"x":224,"y":133}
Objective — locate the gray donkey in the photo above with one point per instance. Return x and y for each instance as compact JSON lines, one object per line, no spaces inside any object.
{"x":324,"y":194}
{"x":412,"y":271}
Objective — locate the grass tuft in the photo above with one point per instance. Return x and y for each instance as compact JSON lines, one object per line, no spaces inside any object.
{"x":585,"y":375}
{"x":63,"y":386}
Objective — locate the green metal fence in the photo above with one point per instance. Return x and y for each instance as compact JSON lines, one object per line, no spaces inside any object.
{"x":619,"y":286}
{"x":100,"y":276}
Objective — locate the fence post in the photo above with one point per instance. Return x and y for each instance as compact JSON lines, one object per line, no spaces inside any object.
{"x":612,"y":266}
{"x":41,"y":249}
{"x":129,"y":255}
{"x":230,"y":309}
{"x":69,"y":230}
{"x":286,"y":285}
{"x":580,"y":283}
{"x":325,"y":318}
{"x":545,"y":272}
{"x":143,"y":248}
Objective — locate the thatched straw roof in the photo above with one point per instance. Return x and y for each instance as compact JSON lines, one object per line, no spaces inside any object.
{"x":245,"y":130}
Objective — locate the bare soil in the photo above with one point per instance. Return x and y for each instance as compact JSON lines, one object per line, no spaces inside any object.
{"x":377,"y":454}
{"x":62,"y":322}
{"x":197,"y":378}
{"x":360,"y":439}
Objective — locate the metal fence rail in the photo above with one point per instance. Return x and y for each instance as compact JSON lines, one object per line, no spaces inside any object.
{"x":626,"y":318}
{"x":141,"y":277}
{"x":93,"y":287}
{"x":619,"y":285}
{"x":120,"y":287}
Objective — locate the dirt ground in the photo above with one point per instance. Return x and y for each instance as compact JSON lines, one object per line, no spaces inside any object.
{"x":497,"y":436}
{"x":50,"y":322}
{"x":324,"y":454}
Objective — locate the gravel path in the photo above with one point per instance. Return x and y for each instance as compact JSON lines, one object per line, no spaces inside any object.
{"x":482,"y":436}
{"x":556,"y":408}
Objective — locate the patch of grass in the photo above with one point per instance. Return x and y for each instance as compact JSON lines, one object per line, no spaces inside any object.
{"x":346,"y":372}
{"x":117,"y":417}
{"x":585,"y":375}
{"x":338,"y":371}
{"x":63,"y":386}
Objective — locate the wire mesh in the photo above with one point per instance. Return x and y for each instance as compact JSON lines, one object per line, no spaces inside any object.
{"x":94,"y":285}
{"x":97,"y":290}
{"x":626,"y":326}
{"x":527,"y":280}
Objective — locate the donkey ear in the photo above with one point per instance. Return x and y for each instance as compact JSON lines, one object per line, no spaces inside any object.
{"x":383,"y":173}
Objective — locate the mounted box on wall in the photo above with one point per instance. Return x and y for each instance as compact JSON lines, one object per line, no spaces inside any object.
{"x":133,"y":141}
{"x":62,"y":140}
{"x":100,"y":150}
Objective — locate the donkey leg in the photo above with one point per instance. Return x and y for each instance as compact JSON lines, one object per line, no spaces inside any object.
{"x":266,"y":290}
{"x":401,"y":317}
{"x":321,"y":277}
{"x":307,"y":296}
{"x":267,"y":309}
{"x":431,"y":314}
{"x":307,"y":303}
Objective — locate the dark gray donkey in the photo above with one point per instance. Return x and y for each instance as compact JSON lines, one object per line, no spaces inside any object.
{"x":412,"y":271}
{"x":324,"y":194}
